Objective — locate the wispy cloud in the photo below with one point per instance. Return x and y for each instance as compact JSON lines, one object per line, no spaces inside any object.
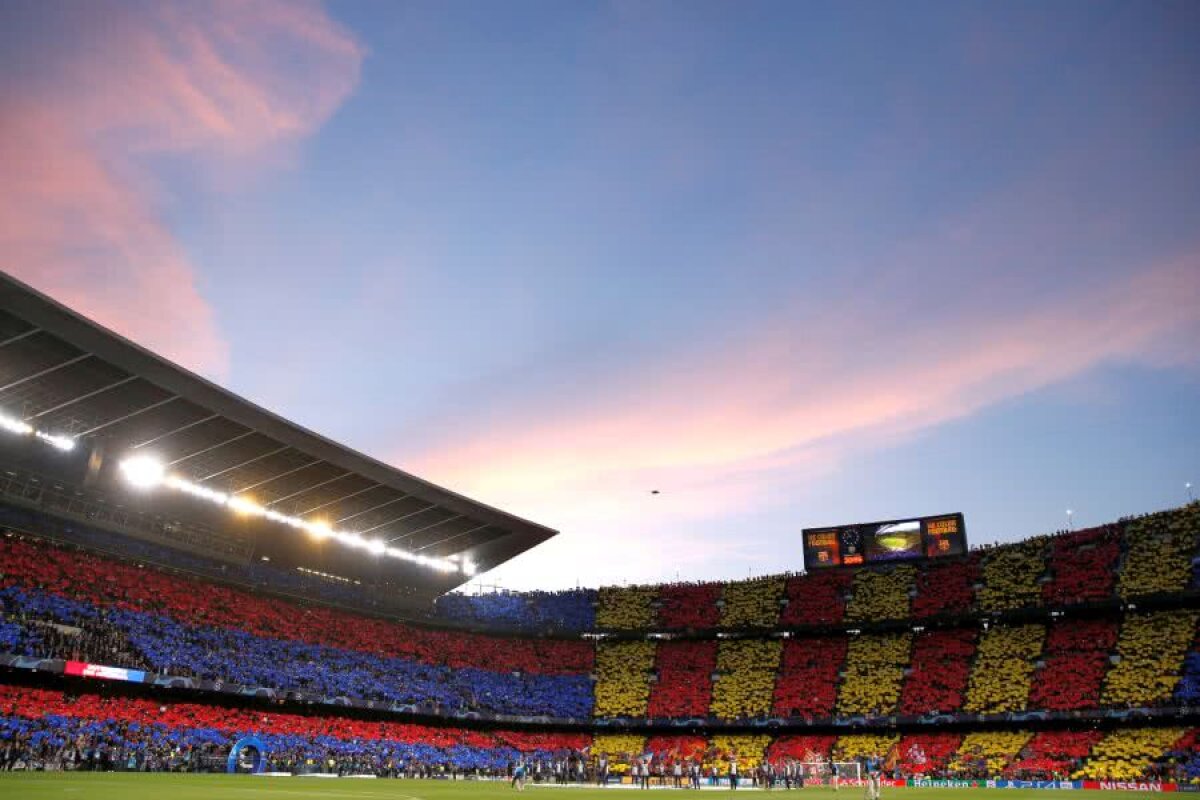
{"x":724,"y":430}
{"x":81,"y":214}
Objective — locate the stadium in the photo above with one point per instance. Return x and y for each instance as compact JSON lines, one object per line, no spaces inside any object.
{"x":201,"y":598}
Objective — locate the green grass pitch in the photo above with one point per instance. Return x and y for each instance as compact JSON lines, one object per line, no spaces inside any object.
{"x":116,"y":786}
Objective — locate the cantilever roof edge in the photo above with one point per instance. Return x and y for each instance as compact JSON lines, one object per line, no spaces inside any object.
{"x":61,"y":321}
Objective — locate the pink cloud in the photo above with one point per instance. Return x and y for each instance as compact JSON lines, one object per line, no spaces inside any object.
{"x":726,"y":429}
{"x":80,"y":217}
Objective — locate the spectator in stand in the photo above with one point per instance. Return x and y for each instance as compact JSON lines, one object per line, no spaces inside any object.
{"x":947,"y":587}
{"x":626,"y":607}
{"x":752,"y":603}
{"x":745,"y":678}
{"x":623,"y":678}
{"x":1004,"y":665}
{"x":808,"y":676}
{"x":1075,"y":662}
{"x":1161,"y":549}
{"x":875,"y":665}
{"x":881,"y":594}
{"x":1011,"y":575}
{"x":684,"y":685}
{"x":1128,"y":754}
{"x":941,"y":662}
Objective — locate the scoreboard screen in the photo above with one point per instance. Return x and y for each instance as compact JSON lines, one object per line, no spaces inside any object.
{"x":885,"y":542}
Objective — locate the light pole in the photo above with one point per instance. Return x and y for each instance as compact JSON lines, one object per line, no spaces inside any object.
{"x":1070,"y":526}
{"x":1188,"y":486}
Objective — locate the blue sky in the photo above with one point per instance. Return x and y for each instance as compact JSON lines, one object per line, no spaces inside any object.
{"x":791,"y":264}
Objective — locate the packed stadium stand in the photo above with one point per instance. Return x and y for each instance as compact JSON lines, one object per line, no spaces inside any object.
{"x":136,"y":635}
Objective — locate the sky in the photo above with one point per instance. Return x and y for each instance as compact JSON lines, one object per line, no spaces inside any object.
{"x":788,"y":264}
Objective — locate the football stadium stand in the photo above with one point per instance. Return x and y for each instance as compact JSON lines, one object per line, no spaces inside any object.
{"x":151,"y":631}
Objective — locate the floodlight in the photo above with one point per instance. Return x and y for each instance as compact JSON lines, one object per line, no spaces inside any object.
{"x":143,"y":472}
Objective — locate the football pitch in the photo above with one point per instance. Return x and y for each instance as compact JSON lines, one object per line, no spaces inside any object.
{"x":116,"y":786}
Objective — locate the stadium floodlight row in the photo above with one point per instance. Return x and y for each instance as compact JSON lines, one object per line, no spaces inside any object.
{"x":122,"y":427}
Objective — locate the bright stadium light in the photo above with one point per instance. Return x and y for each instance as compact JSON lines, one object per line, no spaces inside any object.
{"x":469,"y":567}
{"x":23,"y":428}
{"x":146,"y":472}
{"x":143,"y":472}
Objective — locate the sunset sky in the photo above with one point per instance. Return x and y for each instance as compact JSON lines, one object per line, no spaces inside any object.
{"x":790,"y":264}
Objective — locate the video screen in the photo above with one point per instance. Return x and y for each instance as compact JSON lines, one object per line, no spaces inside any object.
{"x":885,"y":542}
{"x":895,"y":541}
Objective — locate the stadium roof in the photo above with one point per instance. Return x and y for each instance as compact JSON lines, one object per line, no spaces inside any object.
{"x":67,"y":375}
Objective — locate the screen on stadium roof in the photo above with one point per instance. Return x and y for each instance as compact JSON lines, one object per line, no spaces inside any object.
{"x":885,"y":542}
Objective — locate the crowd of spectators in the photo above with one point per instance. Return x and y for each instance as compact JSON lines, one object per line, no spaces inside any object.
{"x":1151,"y":649}
{"x":941,"y":667}
{"x":623,"y":678}
{"x":818,"y":598}
{"x":1188,"y":690}
{"x":1130,"y":753}
{"x":745,"y":678}
{"x":684,"y":684}
{"x":90,"y":729}
{"x":808,"y":676}
{"x":1012,"y":574}
{"x":689,"y":605}
{"x":1004,"y":666}
{"x":947,"y":587}
{"x":752,"y":603}
{"x":859,"y":746}
{"x":1161,"y":549}
{"x":1083,"y":566}
{"x":925,"y":754}
{"x":881,"y":595}
{"x":568,"y":610}
{"x":104,"y":583}
{"x":625,"y":607}
{"x":1057,"y":754}
{"x":41,"y":728}
{"x":874,"y":672}
{"x":803,"y":748}
{"x":748,"y":748}
{"x":986,"y":753}
{"x":619,"y":749}
{"x":1074,"y":664}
